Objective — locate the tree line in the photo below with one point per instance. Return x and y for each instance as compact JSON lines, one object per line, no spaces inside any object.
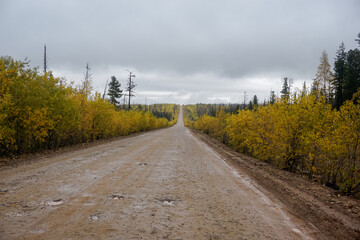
{"x":39,"y":111}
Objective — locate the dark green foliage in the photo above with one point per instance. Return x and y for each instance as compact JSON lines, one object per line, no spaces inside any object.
{"x":114,"y":91}
{"x":339,"y":75}
{"x":352,"y":79}
{"x":272,"y":97}
{"x":346,"y":80}
{"x":285,"y":89}
{"x":251,"y":105}
{"x":255,"y":101}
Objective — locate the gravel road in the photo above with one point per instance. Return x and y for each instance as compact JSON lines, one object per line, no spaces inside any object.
{"x":163,"y":184}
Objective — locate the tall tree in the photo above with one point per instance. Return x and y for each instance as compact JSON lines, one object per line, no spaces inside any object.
{"x":245,"y":97}
{"x":130,"y":87}
{"x":251,"y":105}
{"x":45,"y":60}
{"x":324,"y":78}
{"x":272,"y":97}
{"x":339,"y":75}
{"x":255,"y":101}
{"x":86,"y":84}
{"x":106,"y":85}
{"x":285,"y":89}
{"x":114,"y":91}
{"x":352,"y":79}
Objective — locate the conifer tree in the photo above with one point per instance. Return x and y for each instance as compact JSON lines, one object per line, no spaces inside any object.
{"x":251,"y":105}
{"x":114,"y":91}
{"x":255,"y":101}
{"x":352,"y":79}
{"x":285,"y":89}
{"x":272,"y":97}
{"x":45,"y":60}
{"x":339,"y":75}
{"x":324,"y":78}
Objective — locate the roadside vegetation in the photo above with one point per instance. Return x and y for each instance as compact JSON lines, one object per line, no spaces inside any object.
{"x":314,"y":132}
{"x":300,"y":134}
{"x":39,"y":111}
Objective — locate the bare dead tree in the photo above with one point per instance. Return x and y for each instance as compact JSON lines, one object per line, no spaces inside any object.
{"x":291,"y":83}
{"x":245,"y":98}
{"x":130,"y":87}
{"x":103,"y":96}
{"x":86,"y":84}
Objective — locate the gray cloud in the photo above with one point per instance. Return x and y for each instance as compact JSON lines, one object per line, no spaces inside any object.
{"x":227,"y":43}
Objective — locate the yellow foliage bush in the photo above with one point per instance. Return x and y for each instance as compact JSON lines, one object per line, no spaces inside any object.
{"x":302,"y":134}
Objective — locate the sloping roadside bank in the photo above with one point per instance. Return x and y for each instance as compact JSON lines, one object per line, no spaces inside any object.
{"x":337,"y":216}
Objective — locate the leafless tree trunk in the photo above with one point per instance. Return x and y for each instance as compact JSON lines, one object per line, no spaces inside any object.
{"x":130,"y":87}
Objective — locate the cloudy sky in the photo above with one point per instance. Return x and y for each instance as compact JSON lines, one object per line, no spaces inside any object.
{"x":182,"y":51}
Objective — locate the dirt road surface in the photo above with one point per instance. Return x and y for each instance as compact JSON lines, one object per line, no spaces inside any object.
{"x":164,"y":184}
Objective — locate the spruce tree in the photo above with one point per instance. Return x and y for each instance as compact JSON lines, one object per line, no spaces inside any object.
{"x":339,"y":75}
{"x":352,"y":79}
{"x":45,"y":60}
{"x":272,"y":97}
{"x":251,"y":105}
{"x":285,"y":89}
{"x":114,"y":91}
{"x":255,"y":101}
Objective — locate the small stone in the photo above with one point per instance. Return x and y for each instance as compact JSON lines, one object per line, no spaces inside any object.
{"x":3,"y":191}
{"x":53,"y":203}
{"x":117,"y":196}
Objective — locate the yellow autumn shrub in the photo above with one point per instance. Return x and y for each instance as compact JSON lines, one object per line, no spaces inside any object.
{"x":300,"y":134}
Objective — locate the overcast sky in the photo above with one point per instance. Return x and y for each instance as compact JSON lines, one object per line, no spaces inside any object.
{"x":182,"y":51}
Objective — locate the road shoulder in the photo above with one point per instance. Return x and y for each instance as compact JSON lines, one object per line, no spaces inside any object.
{"x":336,"y":216}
